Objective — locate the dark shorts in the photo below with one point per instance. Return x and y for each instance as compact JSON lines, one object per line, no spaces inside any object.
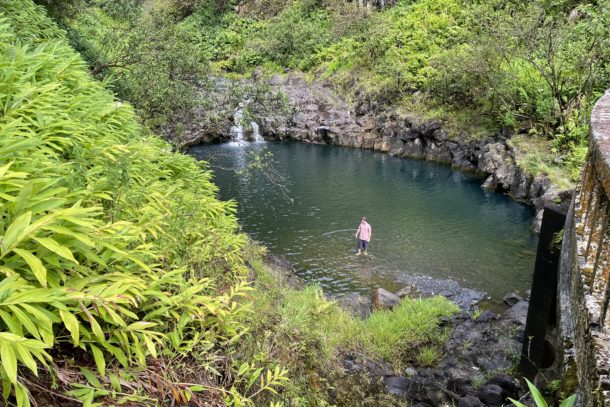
{"x":363,"y":244}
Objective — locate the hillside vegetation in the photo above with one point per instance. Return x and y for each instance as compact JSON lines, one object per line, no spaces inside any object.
{"x":534,"y":68}
{"x":123,"y":280}
{"x":524,"y":67}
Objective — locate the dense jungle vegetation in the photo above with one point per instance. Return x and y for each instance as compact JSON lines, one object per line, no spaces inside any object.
{"x":531,"y":68}
{"x":123,"y":280}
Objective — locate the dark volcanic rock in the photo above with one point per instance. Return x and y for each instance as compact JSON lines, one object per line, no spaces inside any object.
{"x":517,"y":313}
{"x":490,"y":395}
{"x":460,"y":386}
{"x":511,"y":299}
{"x":486,"y":316}
{"x":397,"y":385}
{"x":470,"y":401}
{"x":510,"y":386}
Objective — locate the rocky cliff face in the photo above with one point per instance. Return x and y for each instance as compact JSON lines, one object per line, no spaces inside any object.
{"x":322,"y":116}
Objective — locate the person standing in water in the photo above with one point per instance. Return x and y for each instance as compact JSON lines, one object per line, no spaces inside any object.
{"x":363,"y":234}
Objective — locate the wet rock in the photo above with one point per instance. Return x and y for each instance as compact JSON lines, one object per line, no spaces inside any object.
{"x":461,"y":159}
{"x":510,"y":386}
{"x":407,"y":135}
{"x":414,"y":149}
{"x":396,"y":385}
{"x":492,"y":157}
{"x":486,"y":316}
{"x":520,"y":186}
{"x":460,"y":386}
{"x":438,"y":153}
{"x":505,"y":176}
{"x":490,"y":183}
{"x":465,"y":298}
{"x":429,"y":128}
{"x":397,"y":147}
{"x":490,"y":395}
{"x":517,"y":313}
{"x":383,"y":299}
{"x":470,"y":401}
{"x":440,"y":135}
{"x":409,"y":291}
{"x":540,"y":184}
{"x":511,"y":299}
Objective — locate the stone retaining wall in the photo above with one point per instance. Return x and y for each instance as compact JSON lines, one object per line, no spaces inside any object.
{"x":584,"y":285}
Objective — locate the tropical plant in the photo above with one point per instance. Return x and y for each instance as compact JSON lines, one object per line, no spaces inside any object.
{"x":114,"y":249}
{"x":540,"y":401}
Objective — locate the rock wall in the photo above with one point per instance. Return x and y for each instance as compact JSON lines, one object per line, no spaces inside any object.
{"x":584,"y":274}
{"x":322,"y":116}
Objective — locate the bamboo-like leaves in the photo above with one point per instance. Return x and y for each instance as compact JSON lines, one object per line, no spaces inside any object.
{"x":110,"y":242}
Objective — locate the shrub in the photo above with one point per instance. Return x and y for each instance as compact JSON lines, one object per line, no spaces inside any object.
{"x":115,"y":250}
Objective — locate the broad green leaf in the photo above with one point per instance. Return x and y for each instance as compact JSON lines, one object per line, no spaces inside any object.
{"x":9,"y":361}
{"x":55,"y":247}
{"x":15,"y":229}
{"x":21,"y":394}
{"x":91,"y":378}
{"x":568,"y":402}
{"x":72,"y":324}
{"x":538,"y":399}
{"x":26,"y":358}
{"x":39,"y":271}
{"x":100,"y":362}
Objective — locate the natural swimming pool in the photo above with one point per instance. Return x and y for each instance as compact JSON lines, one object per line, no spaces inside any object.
{"x":427,"y":219}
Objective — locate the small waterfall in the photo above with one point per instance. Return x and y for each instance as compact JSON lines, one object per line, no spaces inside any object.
{"x":256,"y":134}
{"x":237,"y":131}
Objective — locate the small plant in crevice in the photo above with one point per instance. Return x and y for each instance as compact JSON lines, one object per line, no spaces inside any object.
{"x":540,"y":400}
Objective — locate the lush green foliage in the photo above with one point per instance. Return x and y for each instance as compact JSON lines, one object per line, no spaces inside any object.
{"x":147,"y":55}
{"x":114,"y":248}
{"x":534,"y":67}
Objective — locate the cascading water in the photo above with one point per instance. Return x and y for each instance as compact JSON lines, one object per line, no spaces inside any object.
{"x":237,"y":130}
{"x":256,"y":134}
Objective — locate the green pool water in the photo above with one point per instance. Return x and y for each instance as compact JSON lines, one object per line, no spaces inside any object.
{"x":426,"y":219}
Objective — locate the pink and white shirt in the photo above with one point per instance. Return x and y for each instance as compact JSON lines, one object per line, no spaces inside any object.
{"x":365,"y":231}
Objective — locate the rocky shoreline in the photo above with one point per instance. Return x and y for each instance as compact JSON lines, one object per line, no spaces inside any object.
{"x":478,"y":355}
{"x":480,"y":351}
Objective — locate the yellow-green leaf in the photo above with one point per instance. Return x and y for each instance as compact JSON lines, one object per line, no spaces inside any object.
{"x":72,"y":324}
{"x":15,"y":230}
{"x":55,"y":247}
{"x":39,"y":271}
{"x":98,"y":356}
{"x":9,"y":361}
